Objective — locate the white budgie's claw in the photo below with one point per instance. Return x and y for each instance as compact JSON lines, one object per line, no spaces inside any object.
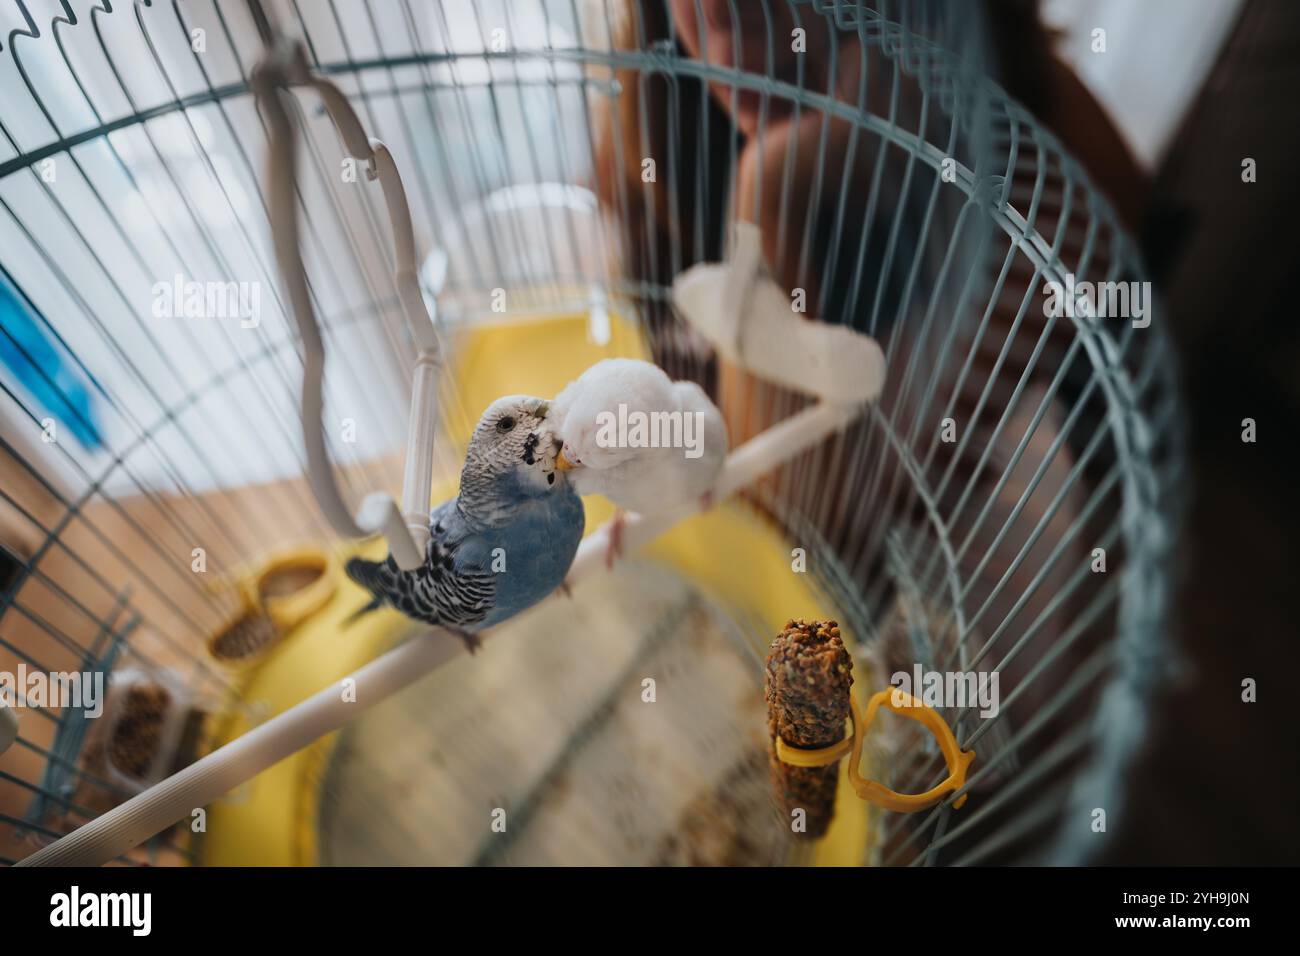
{"x":746,"y":316}
{"x":614,"y":550}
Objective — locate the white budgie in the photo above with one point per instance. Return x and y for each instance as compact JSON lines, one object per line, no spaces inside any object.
{"x":645,"y":442}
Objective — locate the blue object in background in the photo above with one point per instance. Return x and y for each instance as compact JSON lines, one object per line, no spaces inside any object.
{"x":28,"y":351}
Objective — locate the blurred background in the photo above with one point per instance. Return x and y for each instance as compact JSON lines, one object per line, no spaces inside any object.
{"x":156,"y":528}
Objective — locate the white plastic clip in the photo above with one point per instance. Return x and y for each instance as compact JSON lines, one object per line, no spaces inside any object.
{"x":749,"y":320}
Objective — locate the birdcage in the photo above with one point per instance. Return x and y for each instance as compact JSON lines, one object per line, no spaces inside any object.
{"x":184,"y":458}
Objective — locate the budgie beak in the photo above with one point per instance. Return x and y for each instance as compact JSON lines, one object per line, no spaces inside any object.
{"x":562,"y":463}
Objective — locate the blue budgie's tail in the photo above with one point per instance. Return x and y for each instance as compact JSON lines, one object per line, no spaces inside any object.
{"x":365,"y":573}
{"x":371,"y":576}
{"x":381,"y":579}
{"x":374,"y":605}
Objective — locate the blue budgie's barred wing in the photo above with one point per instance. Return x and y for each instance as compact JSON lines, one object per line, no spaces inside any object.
{"x":454,"y":588}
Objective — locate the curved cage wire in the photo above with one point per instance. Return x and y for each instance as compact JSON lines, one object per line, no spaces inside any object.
{"x":580,"y":156}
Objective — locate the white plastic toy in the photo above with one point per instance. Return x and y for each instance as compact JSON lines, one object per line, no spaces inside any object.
{"x":747,"y":317}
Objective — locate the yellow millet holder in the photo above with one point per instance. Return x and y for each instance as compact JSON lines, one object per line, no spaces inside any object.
{"x":905,"y":705}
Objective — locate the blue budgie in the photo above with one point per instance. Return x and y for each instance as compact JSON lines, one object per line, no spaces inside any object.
{"x":504,"y":543}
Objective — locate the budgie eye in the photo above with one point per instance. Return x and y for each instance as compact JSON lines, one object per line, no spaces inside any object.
{"x":505,"y":424}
